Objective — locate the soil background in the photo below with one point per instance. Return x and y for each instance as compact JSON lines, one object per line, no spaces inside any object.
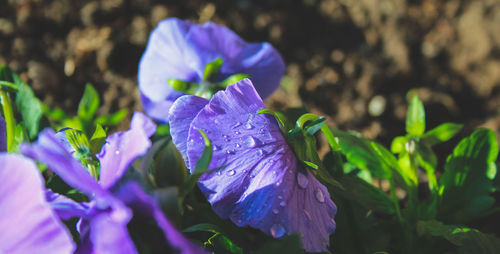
{"x":353,"y":61}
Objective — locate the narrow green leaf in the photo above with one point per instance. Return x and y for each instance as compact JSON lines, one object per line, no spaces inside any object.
{"x":89,"y":103}
{"x":205,"y":227}
{"x":415,"y":118}
{"x":212,"y":69}
{"x":442,"y":133}
{"x":366,"y":195}
{"x":466,"y":182}
{"x":97,"y":140}
{"x":222,"y":244}
{"x":113,"y":119}
{"x":30,"y":109}
{"x":233,"y":79}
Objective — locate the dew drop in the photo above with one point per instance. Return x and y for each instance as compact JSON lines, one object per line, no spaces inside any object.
{"x":237,"y":133}
{"x":219,"y":172}
{"x":302,"y":180}
{"x":226,"y":138}
{"x":230,"y":152}
{"x":277,"y":231}
{"x":307,"y":214}
{"x":238,"y":145}
{"x":216,"y":148}
{"x":231,"y":172}
{"x":236,"y":125}
{"x":282,"y":203}
{"x":117,"y":152}
{"x":276,"y":211}
{"x":262,"y":130}
{"x":251,"y":141}
{"x":319,"y":196}
{"x":248,"y":126}
{"x":260,"y":152}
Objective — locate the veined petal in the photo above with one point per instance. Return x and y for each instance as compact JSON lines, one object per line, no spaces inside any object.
{"x":260,"y":182}
{"x":26,"y":219}
{"x":123,"y":148}
{"x":135,"y":198}
{"x":3,"y":135}
{"x":49,"y":150}
{"x":182,"y":114}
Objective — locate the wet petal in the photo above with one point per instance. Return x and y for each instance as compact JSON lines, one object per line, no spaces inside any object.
{"x":49,"y":150}
{"x":261,"y":183}
{"x":28,"y":223}
{"x":135,"y":198}
{"x":3,"y":135}
{"x":123,"y":148}
{"x":65,"y":207}
{"x":182,"y":114}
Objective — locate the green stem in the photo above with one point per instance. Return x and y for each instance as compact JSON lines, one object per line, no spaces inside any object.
{"x":395,"y":200}
{"x":8,"y":113}
{"x":8,"y":84}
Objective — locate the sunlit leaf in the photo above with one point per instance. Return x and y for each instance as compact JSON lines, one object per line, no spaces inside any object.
{"x":415,"y":118}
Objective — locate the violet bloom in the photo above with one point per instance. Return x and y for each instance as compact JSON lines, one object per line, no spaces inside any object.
{"x":103,"y":224}
{"x":257,"y":180}
{"x":3,"y":135}
{"x":181,"y":50}
{"x":27,"y":221}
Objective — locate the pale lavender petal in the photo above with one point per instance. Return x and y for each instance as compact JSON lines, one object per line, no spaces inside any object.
{"x":135,"y":198}
{"x":65,"y":207}
{"x":61,"y":137}
{"x":26,"y":219}
{"x":159,"y":109}
{"x":49,"y":150}
{"x":122,"y":148}
{"x":182,"y":114}
{"x":3,"y":135}
{"x":261,"y":184}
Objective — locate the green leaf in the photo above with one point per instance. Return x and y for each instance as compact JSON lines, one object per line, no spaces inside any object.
{"x":466,"y":182}
{"x":366,"y":195}
{"x":205,"y":227}
{"x":415,"y":119}
{"x":97,"y":140}
{"x":233,"y":79}
{"x":467,"y":240}
{"x":89,"y":103}
{"x":113,"y":119}
{"x":289,"y":244}
{"x":30,"y":109}
{"x":442,"y":133}
{"x":222,"y":244}
{"x":6,"y":74}
{"x":398,"y":144}
{"x":359,"y":151}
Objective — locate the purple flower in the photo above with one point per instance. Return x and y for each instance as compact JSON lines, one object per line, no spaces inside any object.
{"x":3,"y":135}
{"x":256,"y":180}
{"x":104,"y":220}
{"x":180,"y":50}
{"x":27,"y":221}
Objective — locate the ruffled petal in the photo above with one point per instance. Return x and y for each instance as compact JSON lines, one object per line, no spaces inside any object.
{"x":182,"y":114}
{"x":122,"y":148}
{"x":260,"y":182}
{"x":49,"y":150}
{"x":65,"y":207}
{"x":135,"y":198}
{"x":159,"y":109}
{"x":3,"y":135}
{"x":26,"y":219}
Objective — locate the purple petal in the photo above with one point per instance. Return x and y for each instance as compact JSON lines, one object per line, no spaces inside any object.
{"x":134,"y":197}
{"x":109,"y":233}
{"x":26,"y":219}
{"x":61,"y":136}
{"x":261,"y":183}
{"x":50,"y":151}
{"x":209,"y":41}
{"x":122,"y":148}
{"x":182,"y":114}
{"x":65,"y":207}
{"x":3,"y":135}
{"x":159,"y":109}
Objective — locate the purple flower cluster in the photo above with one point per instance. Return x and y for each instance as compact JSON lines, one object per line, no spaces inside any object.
{"x":255,"y":179}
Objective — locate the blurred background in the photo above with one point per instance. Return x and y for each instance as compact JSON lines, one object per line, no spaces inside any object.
{"x":353,"y":61}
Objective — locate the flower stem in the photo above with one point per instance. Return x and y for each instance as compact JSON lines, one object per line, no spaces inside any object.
{"x":8,"y":114}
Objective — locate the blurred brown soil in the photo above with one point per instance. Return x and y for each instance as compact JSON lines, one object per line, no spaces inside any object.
{"x":354,"y":61}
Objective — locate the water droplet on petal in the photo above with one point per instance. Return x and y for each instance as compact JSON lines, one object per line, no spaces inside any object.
{"x":248,"y":126}
{"x":307,"y":214}
{"x":236,"y":125}
{"x":238,"y":145}
{"x":302,"y":180}
{"x":231,"y":172}
{"x":319,"y":196}
{"x":262,"y":130}
{"x":216,"y":148}
{"x":260,"y":152}
{"x":226,"y":138}
{"x":282,"y":203}
{"x":237,"y":133}
{"x":276,"y":211}
{"x":117,"y":152}
{"x":230,"y":152}
{"x":251,"y":141}
{"x":219,"y":172}
{"x":277,"y":231}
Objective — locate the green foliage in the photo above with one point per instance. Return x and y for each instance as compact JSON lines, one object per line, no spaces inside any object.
{"x":415,"y":119}
{"x":89,"y":103}
{"x":366,"y":195}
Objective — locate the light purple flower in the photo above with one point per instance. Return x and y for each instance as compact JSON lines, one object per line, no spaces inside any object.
{"x":27,"y":221}
{"x":103,"y":224}
{"x":180,"y":50}
{"x":256,"y":180}
{"x":3,"y":135}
